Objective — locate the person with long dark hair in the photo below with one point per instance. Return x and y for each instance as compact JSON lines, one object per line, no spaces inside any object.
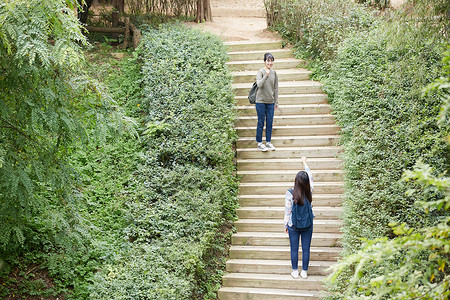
{"x":299,"y":195}
{"x":266,"y":102}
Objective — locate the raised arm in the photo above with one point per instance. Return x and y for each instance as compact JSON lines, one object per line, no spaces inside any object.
{"x":261,"y":78}
{"x":308,"y":170}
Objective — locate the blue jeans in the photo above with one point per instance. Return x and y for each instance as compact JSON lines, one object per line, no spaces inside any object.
{"x":265,"y":113}
{"x":294,"y":235}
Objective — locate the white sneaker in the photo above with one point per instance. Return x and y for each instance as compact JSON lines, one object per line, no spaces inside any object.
{"x":270,"y":146}
{"x":294,"y":274}
{"x":262,"y":147}
{"x":304,"y":274}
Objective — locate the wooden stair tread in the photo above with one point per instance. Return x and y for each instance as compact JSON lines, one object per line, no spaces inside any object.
{"x":274,"y":292}
{"x":259,"y":61}
{"x":281,"y":84}
{"x":282,"y":234}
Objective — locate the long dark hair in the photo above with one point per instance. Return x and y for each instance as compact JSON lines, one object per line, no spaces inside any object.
{"x":302,"y":189}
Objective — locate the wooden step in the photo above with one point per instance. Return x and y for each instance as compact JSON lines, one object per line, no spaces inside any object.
{"x":289,"y":120}
{"x":295,"y":99}
{"x":270,"y":188}
{"x":244,"y":293}
{"x":259,"y":54}
{"x":283,"y":75}
{"x":267,"y":266}
{"x":286,"y":110}
{"x":252,"y":46}
{"x":290,"y":130}
{"x":287,"y":175}
{"x":277,"y":225}
{"x":288,"y":163}
{"x":282,"y":252}
{"x":261,"y":212}
{"x":290,"y":152}
{"x":255,"y":65}
{"x":278,"y":200}
{"x":284,"y":87}
{"x":282,"y":239}
{"x":285,"y":281}
{"x":291,"y":141}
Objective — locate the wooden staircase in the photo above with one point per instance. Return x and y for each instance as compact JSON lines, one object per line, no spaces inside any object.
{"x":259,"y":264}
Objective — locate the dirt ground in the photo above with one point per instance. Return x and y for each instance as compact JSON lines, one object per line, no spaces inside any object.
{"x":238,"y":20}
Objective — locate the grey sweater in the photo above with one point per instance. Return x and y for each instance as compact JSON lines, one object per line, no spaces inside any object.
{"x":267,"y":87}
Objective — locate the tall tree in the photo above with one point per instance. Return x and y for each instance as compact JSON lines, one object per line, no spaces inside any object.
{"x":203,"y":10}
{"x":46,"y":104}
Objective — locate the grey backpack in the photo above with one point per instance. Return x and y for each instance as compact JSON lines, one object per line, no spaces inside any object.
{"x":252,"y":94}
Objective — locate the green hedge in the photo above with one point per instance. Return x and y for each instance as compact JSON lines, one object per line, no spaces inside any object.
{"x":387,"y":125}
{"x":374,"y":71}
{"x":184,"y":188}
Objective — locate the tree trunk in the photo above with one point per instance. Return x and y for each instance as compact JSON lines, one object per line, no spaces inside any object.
{"x":83,"y":11}
{"x":115,"y":23}
{"x":203,"y":11}
{"x":200,"y":11}
{"x":208,"y":14}
{"x":119,"y":5}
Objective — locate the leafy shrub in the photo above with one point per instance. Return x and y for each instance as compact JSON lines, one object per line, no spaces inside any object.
{"x":415,"y":262}
{"x":183,"y":188}
{"x":316,"y":28}
{"x":375,"y":91}
{"x":374,"y":74}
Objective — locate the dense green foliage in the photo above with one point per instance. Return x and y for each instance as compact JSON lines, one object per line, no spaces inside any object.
{"x":45,"y":105}
{"x":316,"y":28}
{"x":33,"y":115}
{"x":90,"y":213}
{"x":374,"y":70}
{"x":414,"y":264}
{"x":47,"y":109}
{"x":387,"y":125}
{"x":184,"y":189}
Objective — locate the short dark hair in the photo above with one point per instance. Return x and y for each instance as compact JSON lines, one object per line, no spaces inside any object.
{"x":268,"y":56}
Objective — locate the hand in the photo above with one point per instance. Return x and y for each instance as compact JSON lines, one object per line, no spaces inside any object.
{"x":276,"y":107}
{"x":304,"y":159}
{"x":267,"y":72}
{"x":286,"y":230}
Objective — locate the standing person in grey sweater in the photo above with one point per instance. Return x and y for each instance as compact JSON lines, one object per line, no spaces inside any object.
{"x":266,"y":101}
